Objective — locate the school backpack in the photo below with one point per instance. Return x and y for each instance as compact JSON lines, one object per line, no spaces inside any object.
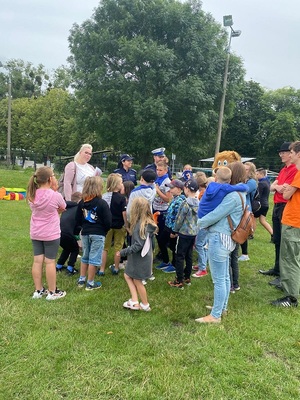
{"x":255,"y":203}
{"x":245,"y":227}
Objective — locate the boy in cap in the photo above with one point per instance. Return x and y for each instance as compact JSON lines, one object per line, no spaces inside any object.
{"x":125,"y":170}
{"x":146,"y":189}
{"x":186,"y":229}
{"x":168,"y":237}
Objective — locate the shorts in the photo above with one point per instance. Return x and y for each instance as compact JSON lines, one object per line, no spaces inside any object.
{"x":92,"y":247}
{"x":47,"y":248}
{"x":118,"y":235}
{"x":262,"y":211}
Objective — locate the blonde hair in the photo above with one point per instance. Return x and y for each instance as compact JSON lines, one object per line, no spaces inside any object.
{"x":163,"y":164}
{"x":76,"y":197}
{"x":140,"y":212}
{"x":84,"y":146}
{"x":223,"y":175}
{"x":252,"y":170}
{"x":41,"y":176}
{"x":92,"y":187}
{"x":113,"y":181}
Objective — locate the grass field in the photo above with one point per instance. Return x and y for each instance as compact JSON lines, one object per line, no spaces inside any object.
{"x":86,"y":346}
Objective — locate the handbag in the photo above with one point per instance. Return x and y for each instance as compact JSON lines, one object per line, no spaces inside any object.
{"x":245,"y":227}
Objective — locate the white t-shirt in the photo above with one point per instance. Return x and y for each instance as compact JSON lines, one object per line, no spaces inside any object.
{"x":82,"y":172}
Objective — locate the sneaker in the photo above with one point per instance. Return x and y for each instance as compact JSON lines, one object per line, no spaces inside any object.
{"x":145,"y":307}
{"x":38,"y":294}
{"x":236,"y":288}
{"x":187,"y":282}
{"x":96,"y":285}
{"x":287,"y":301}
{"x":232,"y":290}
{"x":176,"y":284}
{"x":81,"y":283}
{"x":131,"y":305}
{"x":152,"y":278}
{"x":244,"y":257}
{"x":100,"y":273}
{"x":72,"y":272}
{"x":195,"y":268}
{"x":58,"y":294}
{"x":163,"y":265}
{"x":122,"y":265}
{"x":169,"y":269}
{"x":199,"y":274}
{"x":60,"y":268}
{"x":113,"y":270}
{"x":144,"y":282}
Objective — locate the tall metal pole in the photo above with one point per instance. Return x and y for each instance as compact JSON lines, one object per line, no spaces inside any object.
{"x":221,"y":114}
{"x":8,"y":154}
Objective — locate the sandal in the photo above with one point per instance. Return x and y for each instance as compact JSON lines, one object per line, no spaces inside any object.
{"x":145,"y":307}
{"x":131,"y":305}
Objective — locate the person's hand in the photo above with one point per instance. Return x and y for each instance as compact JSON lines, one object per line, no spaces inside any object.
{"x":173,"y":235}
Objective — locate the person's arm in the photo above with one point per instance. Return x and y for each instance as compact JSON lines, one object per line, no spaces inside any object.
{"x":78,"y":219}
{"x":69,"y":179}
{"x":288,"y":191}
{"x":164,"y":196}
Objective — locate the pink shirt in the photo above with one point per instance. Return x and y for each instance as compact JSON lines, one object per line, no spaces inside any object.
{"x":45,"y":220}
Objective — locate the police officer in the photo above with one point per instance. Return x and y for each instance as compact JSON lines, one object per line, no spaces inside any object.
{"x":124,"y":169}
{"x":158,"y":155}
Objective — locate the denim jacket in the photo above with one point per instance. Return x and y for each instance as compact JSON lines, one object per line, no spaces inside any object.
{"x":216,"y":220}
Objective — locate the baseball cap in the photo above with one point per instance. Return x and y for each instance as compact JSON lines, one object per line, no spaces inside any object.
{"x":149,"y":175}
{"x":192,"y":185}
{"x":175,"y":183}
{"x":126,"y":157}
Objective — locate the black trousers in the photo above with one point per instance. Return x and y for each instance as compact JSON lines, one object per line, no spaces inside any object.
{"x":184,"y":253}
{"x":70,"y":250}
{"x":276,"y":220}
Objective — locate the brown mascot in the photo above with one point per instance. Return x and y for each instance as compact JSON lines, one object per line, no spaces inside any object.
{"x":224,"y":158}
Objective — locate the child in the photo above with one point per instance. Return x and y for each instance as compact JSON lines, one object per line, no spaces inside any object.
{"x":94,"y":218}
{"x":45,"y":205}
{"x":186,"y":229}
{"x":68,"y":241}
{"x":139,"y":265}
{"x":160,"y":206}
{"x":117,"y":233}
{"x":146,"y":189}
{"x":168,"y":237}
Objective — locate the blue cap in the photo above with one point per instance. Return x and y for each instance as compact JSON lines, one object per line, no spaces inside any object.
{"x":160,"y":152}
{"x":126,"y":157}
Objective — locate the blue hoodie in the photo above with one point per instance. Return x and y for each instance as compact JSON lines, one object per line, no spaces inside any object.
{"x":215,"y":193}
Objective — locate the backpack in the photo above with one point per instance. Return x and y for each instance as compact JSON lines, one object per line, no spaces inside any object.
{"x":245,"y":227}
{"x":255,"y":203}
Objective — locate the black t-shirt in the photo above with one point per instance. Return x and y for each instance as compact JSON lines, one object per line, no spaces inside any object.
{"x":117,"y":206}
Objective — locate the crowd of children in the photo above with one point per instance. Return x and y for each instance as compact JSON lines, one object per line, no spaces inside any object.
{"x":127,"y":218}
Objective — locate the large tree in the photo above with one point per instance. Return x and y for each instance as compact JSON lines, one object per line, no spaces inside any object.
{"x":149,"y":73}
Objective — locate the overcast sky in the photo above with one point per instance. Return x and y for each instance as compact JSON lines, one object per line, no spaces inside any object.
{"x":37,"y":31}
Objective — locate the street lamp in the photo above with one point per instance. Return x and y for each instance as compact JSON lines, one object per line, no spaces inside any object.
{"x":227,"y":21}
{"x":8,"y":153}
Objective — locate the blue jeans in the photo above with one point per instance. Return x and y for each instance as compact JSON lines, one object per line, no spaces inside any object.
{"x":218,"y":257}
{"x":200,"y":246}
{"x":92,"y":247}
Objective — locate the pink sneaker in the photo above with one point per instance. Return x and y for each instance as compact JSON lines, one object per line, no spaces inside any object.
{"x":195,"y":267}
{"x":199,"y":274}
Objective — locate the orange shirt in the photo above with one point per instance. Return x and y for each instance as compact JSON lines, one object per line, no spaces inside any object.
{"x":291,"y":214}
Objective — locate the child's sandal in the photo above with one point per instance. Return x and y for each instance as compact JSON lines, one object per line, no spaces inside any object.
{"x":145,"y":307}
{"x":131,"y":305}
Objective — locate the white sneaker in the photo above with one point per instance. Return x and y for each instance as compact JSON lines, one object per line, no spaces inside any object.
{"x":144,"y":282}
{"x":38,"y":294}
{"x":244,"y":257}
{"x":152,"y":278}
{"x":58,"y":294}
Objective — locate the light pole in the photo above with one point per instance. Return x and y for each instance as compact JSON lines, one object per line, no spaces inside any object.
{"x":227,"y":21}
{"x":8,"y":153}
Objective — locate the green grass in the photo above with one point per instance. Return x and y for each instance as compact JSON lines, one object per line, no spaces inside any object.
{"x":87,"y":346}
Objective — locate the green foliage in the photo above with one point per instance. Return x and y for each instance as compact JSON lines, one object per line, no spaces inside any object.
{"x":150,"y":73}
{"x":87,"y":346}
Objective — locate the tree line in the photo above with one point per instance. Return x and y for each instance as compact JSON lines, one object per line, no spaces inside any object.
{"x":144,"y":74}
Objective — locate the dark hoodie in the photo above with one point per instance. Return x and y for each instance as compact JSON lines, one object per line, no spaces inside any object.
{"x":93,"y":217}
{"x":215,"y":193}
{"x":68,"y":218}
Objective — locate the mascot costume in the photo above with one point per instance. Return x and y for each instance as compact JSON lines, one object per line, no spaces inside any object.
{"x":224,"y":158}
